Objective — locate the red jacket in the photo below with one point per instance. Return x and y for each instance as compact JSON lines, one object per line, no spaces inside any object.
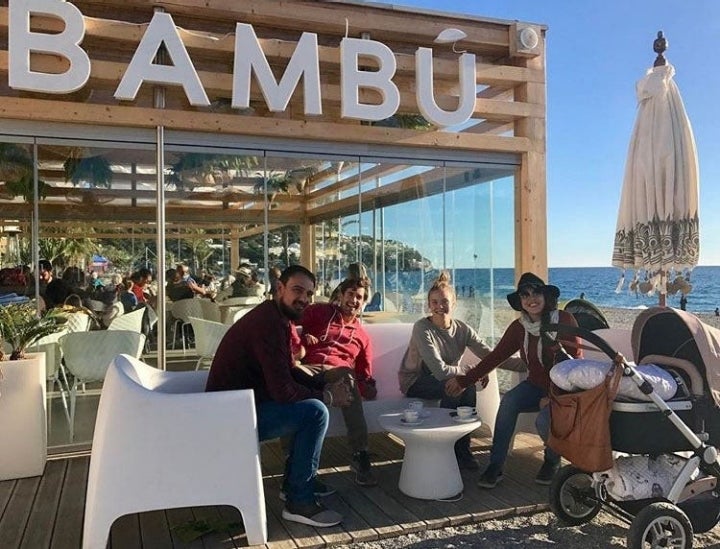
{"x":512,"y":341}
{"x":339,"y":344}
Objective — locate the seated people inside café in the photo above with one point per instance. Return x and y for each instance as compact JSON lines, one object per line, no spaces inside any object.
{"x":180,"y":285}
{"x":337,"y":348}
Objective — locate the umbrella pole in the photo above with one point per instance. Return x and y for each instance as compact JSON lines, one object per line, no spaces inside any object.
{"x":662,"y":295}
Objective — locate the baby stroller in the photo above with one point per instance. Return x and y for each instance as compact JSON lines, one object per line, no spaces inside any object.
{"x":679,"y":437}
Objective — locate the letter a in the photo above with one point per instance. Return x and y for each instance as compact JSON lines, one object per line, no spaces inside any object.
{"x":22,"y":42}
{"x":161,"y":30}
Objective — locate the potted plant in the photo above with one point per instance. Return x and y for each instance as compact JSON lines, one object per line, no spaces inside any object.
{"x":23,"y":424}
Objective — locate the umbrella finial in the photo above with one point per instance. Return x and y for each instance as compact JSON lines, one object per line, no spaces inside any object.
{"x":660,"y":44}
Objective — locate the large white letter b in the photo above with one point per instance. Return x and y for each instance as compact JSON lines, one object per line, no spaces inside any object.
{"x":22,"y":42}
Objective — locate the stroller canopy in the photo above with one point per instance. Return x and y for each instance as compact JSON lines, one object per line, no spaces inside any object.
{"x":671,"y":332}
{"x":586,"y":314}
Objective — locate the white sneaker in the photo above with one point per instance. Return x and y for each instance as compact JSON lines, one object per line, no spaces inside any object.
{"x":312,"y":514}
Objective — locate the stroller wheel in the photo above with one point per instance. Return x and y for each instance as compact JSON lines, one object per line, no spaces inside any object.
{"x":572,"y":496}
{"x":660,"y":525}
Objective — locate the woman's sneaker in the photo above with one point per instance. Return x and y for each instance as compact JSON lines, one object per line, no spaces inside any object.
{"x":491,"y":477}
{"x":546,"y":473}
{"x":312,"y":514}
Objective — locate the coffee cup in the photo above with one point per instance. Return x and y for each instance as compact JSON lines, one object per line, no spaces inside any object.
{"x":411,"y":416}
{"x":465,"y":412}
{"x":416,"y":405}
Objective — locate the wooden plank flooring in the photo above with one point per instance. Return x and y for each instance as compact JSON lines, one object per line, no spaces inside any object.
{"x":47,"y":512}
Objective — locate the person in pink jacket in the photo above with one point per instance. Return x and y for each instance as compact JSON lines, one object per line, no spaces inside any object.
{"x":338,"y":347}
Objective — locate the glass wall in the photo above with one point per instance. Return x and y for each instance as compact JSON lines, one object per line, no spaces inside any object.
{"x":231,"y":213}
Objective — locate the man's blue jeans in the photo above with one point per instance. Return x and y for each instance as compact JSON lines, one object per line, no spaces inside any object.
{"x":305,"y":422}
{"x":524,"y":397}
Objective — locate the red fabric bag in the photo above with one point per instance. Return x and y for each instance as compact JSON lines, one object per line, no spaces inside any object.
{"x":580,"y":423}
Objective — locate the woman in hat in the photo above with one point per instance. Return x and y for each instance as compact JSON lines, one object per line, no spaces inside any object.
{"x":433,"y":356}
{"x":537,"y":303}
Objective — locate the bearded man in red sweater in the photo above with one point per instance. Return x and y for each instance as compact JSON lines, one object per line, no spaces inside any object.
{"x":337,"y":347}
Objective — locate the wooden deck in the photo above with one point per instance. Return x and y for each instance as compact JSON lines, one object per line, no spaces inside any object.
{"x":47,"y":511}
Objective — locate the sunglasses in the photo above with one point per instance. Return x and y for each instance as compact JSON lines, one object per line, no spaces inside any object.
{"x":531,"y":292}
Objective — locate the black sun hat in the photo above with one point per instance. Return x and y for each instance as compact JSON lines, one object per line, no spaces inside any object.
{"x":530,"y":280}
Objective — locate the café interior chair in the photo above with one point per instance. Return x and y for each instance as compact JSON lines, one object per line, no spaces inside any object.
{"x":181,"y":311}
{"x":208,"y":335}
{"x":87,"y":356}
{"x":210,"y":310}
{"x":207,"y":454}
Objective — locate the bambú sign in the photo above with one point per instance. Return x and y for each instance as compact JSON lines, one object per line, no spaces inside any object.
{"x":249,"y":61}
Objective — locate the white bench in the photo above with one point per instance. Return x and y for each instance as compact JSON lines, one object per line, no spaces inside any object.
{"x":389,"y":342}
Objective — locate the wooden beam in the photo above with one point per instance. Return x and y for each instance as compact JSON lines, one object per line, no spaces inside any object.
{"x":122,"y":116}
{"x":107,"y":73}
{"x":277,"y":51}
{"x":484,"y":37}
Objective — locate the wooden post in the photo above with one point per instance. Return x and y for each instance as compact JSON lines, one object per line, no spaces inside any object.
{"x":530,"y":180}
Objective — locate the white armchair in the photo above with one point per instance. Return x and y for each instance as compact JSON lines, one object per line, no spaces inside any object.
{"x":161,"y":442}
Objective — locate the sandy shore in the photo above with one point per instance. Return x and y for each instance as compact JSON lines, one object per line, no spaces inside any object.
{"x":624,"y":318}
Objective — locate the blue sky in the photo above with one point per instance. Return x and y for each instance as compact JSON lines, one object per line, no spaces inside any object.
{"x":596,"y":51}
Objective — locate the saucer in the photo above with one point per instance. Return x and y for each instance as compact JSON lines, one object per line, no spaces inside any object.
{"x":411,"y":423}
{"x":466,"y":419}
{"x":425,"y":413}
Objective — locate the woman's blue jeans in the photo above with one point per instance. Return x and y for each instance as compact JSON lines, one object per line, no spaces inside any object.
{"x":305,"y":423}
{"x":524,"y":397}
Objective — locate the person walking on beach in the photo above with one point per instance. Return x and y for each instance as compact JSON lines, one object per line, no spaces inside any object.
{"x":717,"y":311}
{"x":537,"y":303}
{"x":433,"y":356}
{"x":683,"y":303}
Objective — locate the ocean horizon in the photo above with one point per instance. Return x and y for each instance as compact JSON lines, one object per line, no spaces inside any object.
{"x":597,"y":284}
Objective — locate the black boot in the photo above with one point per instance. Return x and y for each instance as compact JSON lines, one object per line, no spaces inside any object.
{"x":464,"y":456}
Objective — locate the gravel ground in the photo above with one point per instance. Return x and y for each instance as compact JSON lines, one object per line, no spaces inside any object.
{"x":540,"y":530}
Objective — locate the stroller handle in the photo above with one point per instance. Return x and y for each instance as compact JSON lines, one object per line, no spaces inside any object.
{"x":587,"y":335}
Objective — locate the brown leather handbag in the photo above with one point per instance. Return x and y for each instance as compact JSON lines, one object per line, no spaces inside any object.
{"x":580,"y":423}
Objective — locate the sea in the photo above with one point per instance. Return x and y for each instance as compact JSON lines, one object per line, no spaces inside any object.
{"x":600,"y":285}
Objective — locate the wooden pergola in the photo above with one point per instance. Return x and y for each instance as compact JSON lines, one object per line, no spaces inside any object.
{"x":506,"y":129}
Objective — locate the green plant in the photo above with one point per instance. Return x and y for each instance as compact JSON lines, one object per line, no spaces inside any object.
{"x":94,"y":170}
{"x":20,"y":327}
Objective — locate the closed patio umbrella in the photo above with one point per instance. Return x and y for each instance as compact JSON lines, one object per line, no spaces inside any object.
{"x":658,"y":226}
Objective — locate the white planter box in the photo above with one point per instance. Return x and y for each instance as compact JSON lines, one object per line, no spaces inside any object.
{"x":23,"y":423}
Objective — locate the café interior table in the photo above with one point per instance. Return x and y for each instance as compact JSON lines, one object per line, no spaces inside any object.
{"x":430,"y":469}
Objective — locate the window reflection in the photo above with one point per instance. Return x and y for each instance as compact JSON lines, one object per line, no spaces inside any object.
{"x":233,"y":211}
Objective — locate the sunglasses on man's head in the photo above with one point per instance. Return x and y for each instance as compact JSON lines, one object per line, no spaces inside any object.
{"x":530,"y":292}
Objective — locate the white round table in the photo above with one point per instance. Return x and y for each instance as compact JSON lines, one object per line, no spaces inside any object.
{"x":429,"y":469}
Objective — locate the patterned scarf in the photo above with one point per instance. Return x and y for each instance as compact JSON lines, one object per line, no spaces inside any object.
{"x":533,"y":327}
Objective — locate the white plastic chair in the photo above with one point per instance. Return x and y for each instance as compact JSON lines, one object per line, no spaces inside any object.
{"x":237,"y":314}
{"x":87,"y":356}
{"x":50,"y":345}
{"x":208,"y":335}
{"x":162,"y":442}
{"x":210,"y":310}
{"x":130,"y":321}
{"x":182,"y":311}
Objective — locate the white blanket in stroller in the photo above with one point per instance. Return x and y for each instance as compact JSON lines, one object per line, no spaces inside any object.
{"x":641,"y":477}
{"x":581,"y":374}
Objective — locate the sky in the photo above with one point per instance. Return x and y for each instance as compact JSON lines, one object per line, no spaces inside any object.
{"x":595,"y":53}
